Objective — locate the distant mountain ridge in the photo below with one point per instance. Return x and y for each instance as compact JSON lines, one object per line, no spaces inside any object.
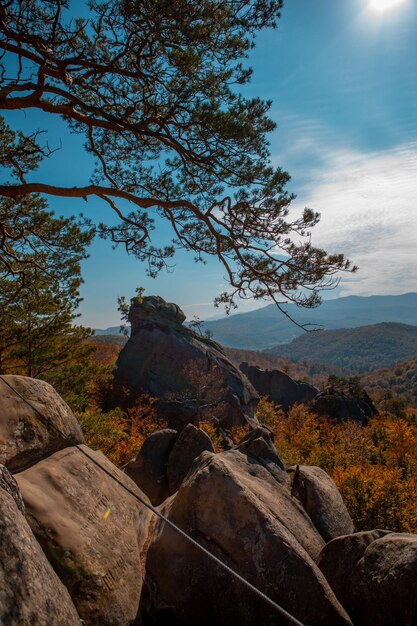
{"x":267,"y":327}
{"x":112,"y":330}
{"x":362,"y":349}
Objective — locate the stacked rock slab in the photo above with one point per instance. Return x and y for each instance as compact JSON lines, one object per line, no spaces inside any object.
{"x":30,"y":591}
{"x":92,"y":531}
{"x":160,"y":347}
{"x":243,"y":514}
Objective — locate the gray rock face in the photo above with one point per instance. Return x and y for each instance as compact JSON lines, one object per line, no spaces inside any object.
{"x":278,"y":386}
{"x":160,"y":347}
{"x":190,"y":443}
{"x":259,"y":445}
{"x":374,"y":575}
{"x":30,"y":591}
{"x":383,"y":585}
{"x":319,"y":496}
{"x":8,"y":484}
{"x":339,"y":558}
{"x":165,"y":459}
{"x":24,"y":437}
{"x":149,"y":469}
{"x":238,"y":510}
{"x":93,"y":532}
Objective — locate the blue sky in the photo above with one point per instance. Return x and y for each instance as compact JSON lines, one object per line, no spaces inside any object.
{"x":343,"y":79}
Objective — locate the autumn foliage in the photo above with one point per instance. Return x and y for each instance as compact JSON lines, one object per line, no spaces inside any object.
{"x":374,"y":466}
{"x":120,"y":433}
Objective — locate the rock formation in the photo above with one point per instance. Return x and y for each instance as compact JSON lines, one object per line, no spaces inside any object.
{"x":75,"y":545}
{"x":374,"y":575}
{"x":319,"y":496}
{"x":339,"y":558}
{"x":92,"y":530}
{"x":155,"y":359}
{"x":30,"y":591}
{"x":25,"y":438}
{"x":285,"y":391}
{"x":278,"y":386}
{"x":239,"y":511}
{"x":149,"y":468}
{"x":343,"y":407}
{"x":258,"y":444}
{"x":190,"y":443}
{"x":165,"y":459}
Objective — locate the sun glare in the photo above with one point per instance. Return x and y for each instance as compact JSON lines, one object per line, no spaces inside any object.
{"x":381,"y":6}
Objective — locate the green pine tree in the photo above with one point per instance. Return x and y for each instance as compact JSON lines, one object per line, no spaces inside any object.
{"x":39,"y":294}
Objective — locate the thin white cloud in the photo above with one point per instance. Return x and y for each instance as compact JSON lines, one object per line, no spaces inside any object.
{"x":368,"y":203}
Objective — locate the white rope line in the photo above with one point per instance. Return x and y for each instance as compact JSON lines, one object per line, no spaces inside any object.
{"x":227,"y":568}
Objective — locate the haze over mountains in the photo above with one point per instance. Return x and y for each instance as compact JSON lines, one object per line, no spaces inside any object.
{"x":267,"y":327}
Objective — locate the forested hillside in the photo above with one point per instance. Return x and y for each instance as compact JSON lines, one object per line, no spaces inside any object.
{"x":361,"y":349}
{"x":400,"y":380}
{"x":265,"y":327}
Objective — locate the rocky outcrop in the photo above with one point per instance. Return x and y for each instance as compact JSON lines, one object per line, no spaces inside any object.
{"x":157,"y":354}
{"x":165,"y":459}
{"x":25,"y":436}
{"x":30,"y":591}
{"x":76,"y":546}
{"x":321,"y":499}
{"x":278,"y":386}
{"x":285,"y":391}
{"x":341,"y":407}
{"x":374,"y":575}
{"x":259,"y":445}
{"x":93,"y":532}
{"x":190,"y":443}
{"x":339,"y":558}
{"x":238,"y":510}
{"x":149,"y":469}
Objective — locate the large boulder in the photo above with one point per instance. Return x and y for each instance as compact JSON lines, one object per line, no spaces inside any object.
{"x":155,"y":359}
{"x":149,"y":469}
{"x":383,"y":585}
{"x":278,"y":386}
{"x":239,"y":511}
{"x":165,"y":459}
{"x":25,"y":435}
{"x":374,"y":575}
{"x":92,"y":530}
{"x":321,"y":499}
{"x":190,"y":443}
{"x":339,"y":558}
{"x":30,"y":591}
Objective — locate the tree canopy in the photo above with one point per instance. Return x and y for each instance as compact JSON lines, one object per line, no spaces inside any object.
{"x":153,"y":87}
{"x":39,"y":291}
{"x":35,"y":244}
